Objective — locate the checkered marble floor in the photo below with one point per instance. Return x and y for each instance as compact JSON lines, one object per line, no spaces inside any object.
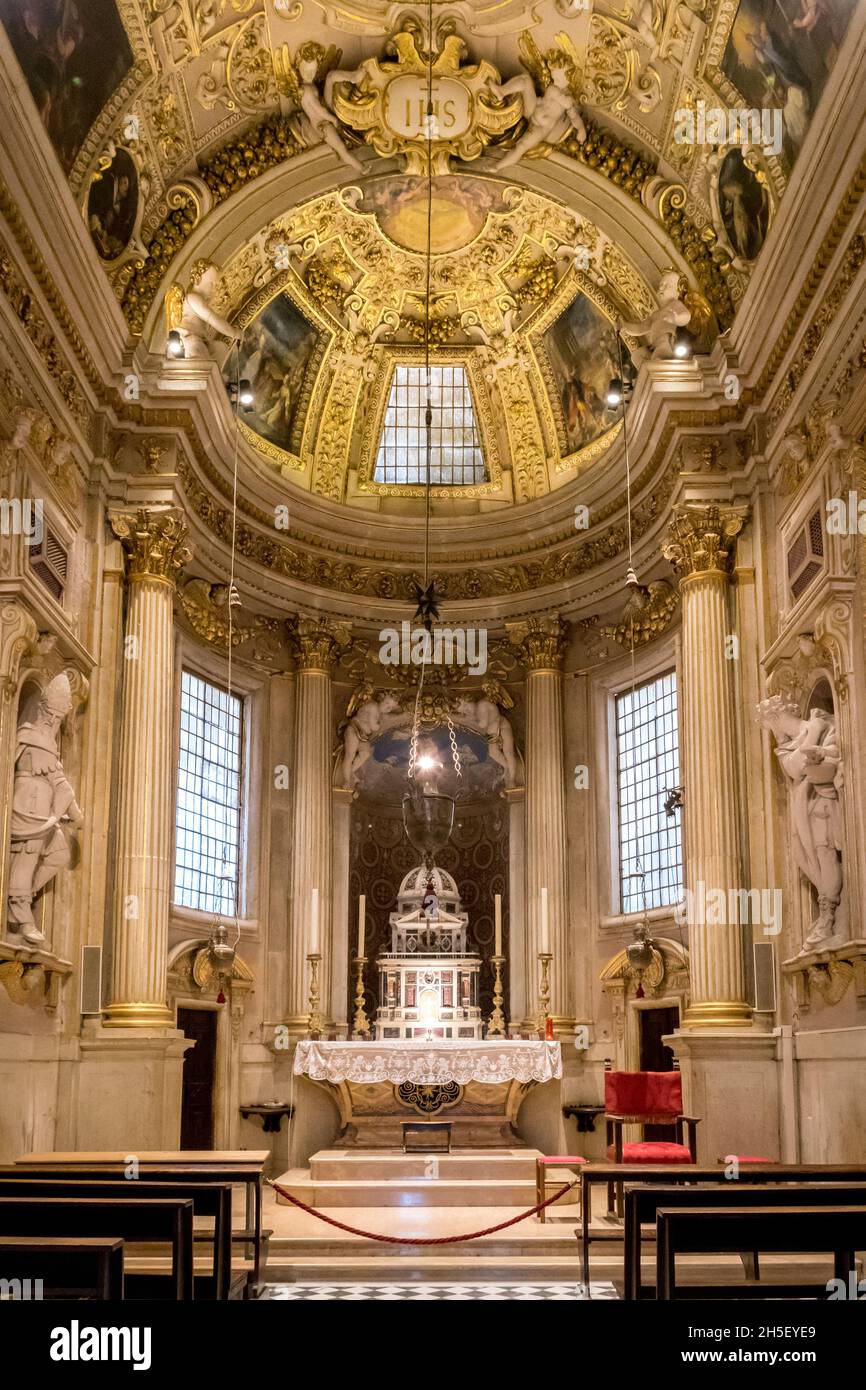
{"x":439,"y":1292}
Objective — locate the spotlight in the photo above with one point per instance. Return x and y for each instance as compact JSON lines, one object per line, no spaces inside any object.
{"x":613,"y":397}
{"x":682,"y":343}
{"x":246,"y":398}
{"x":175,"y":347}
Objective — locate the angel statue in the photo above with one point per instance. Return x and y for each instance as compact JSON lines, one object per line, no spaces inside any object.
{"x":191,"y":314}
{"x":367,"y":709}
{"x":659,"y":329}
{"x":486,"y":716}
{"x":808,"y":751}
{"x":299,"y":81}
{"x":42,"y":801}
{"x":550,"y":115}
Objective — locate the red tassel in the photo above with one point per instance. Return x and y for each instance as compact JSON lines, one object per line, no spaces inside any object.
{"x":221,"y":999}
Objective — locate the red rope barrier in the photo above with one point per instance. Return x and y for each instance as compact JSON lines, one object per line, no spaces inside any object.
{"x":428,"y":1240}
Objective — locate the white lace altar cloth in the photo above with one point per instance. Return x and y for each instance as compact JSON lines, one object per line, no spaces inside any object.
{"x":428,"y":1064}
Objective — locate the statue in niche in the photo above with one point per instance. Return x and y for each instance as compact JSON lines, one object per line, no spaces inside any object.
{"x":808,"y":751}
{"x":191,"y":314}
{"x":364,"y":720}
{"x":549,"y":116}
{"x":486,"y":716}
{"x":659,"y":329}
{"x":42,"y":802}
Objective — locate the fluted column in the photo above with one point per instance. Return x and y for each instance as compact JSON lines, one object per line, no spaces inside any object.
{"x":154,"y":540}
{"x":540,"y":643}
{"x":700,"y":547}
{"x":318,"y":643}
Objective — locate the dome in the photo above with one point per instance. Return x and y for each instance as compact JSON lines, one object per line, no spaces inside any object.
{"x":414,"y":885}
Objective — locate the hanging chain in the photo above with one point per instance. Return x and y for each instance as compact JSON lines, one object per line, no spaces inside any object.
{"x":453,"y":737}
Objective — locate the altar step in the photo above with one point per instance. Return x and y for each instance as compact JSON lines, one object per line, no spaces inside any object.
{"x":390,"y":1178}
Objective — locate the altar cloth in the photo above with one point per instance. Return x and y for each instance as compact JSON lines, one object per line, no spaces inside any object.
{"x":428,"y":1064}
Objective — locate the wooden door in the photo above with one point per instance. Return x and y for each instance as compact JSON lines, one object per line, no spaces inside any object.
{"x":199,"y":1065}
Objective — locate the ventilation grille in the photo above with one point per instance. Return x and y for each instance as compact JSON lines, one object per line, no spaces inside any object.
{"x":49,"y":562}
{"x":806,"y":554}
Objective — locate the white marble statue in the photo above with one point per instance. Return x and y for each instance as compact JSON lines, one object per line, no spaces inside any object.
{"x":549,"y":116}
{"x":486,"y":716}
{"x":320,"y":125}
{"x":808,"y":751}
{"x":658,"y":330}
{"x":192,"y":313}
{"x":365,"y":716}
{"x":42,"y":803}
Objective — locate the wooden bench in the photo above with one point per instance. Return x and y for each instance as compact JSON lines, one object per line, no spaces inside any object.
{"x":677,"y":1173}
{"x":168,"y":1221}
{"x":243,"y":1166}
{"x":86,"y":1267}
{"x":642,"y":1203}
{"x":212,"y":1200}
{"x":782,"y":1230}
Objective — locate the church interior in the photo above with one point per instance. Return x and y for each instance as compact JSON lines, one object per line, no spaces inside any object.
{"x":432,"y":622}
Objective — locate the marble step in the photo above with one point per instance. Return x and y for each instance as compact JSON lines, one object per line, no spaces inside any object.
{"x":416,"y":1192}
{"x":392,"y":1165}
{"x":334,"y":1246}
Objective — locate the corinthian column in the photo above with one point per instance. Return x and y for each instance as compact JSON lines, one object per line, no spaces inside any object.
{"x":540,"y":644}
{"x":700,"y":547}
{"x":318,"y":645}
{"x":154,"y":541}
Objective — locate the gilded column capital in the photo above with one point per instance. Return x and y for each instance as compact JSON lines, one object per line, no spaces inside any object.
{"x":318,"y":643}
{"x":701,"y":538}
{"x":154,"y":541}
{"x":539,"y":642}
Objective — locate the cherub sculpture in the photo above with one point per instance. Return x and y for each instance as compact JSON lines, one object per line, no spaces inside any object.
{"x":299,"y":81}
{"x":550,"y":115}
{"x":191,"y":314}
{"x":42,"y":802}
{"x":364,"y":720}
{"x":486,"y":716}
{"x":808,"y":751}
{"x":659,"y":329}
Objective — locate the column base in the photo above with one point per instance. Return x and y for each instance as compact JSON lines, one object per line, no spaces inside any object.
{"x":129,"y":1088}
{"x":138,"y":1015}
{"x":718,"y":1013}
{"x":731,"y":1082}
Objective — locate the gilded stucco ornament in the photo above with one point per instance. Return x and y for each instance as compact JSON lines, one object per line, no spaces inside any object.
{"x":301,"y":80}
{"x":154,"y":541}
{"x":701,"y":538}
{"x":385,"y":100}
{"x":647,"y":612}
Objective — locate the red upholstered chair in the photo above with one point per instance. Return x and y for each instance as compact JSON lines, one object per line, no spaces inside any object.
{"x":542,"y":1163}
{"x":646,"y":1098}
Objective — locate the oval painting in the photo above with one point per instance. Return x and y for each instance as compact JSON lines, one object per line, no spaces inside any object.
{"x":112,"y":206}
{"x":744,"y":205}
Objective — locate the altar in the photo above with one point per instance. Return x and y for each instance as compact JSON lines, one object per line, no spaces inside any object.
{"x":478,"y":1087}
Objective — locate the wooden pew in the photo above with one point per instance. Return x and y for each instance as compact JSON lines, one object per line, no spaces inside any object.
{"x":244,"y":1166}
{"x":642,"y":1204}
{"x":677,"y":1173}
{"x":86,"y":1267}
{"x":167,"y":1221}
{"x":213,"y":1200}
{"x":782,"y":1230}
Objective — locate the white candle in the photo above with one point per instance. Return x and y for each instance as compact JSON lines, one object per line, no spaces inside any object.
{"x":497,"y":902}
{"x":362,"y":912}
{"x":314,"y":922}
{"x":545,"y":925}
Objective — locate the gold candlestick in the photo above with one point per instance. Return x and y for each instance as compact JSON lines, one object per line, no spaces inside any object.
{"x":314,"y":1025}
{"x":496,"y":1026}
{"x":361,"y":1028}
{"x":545,"y":957}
